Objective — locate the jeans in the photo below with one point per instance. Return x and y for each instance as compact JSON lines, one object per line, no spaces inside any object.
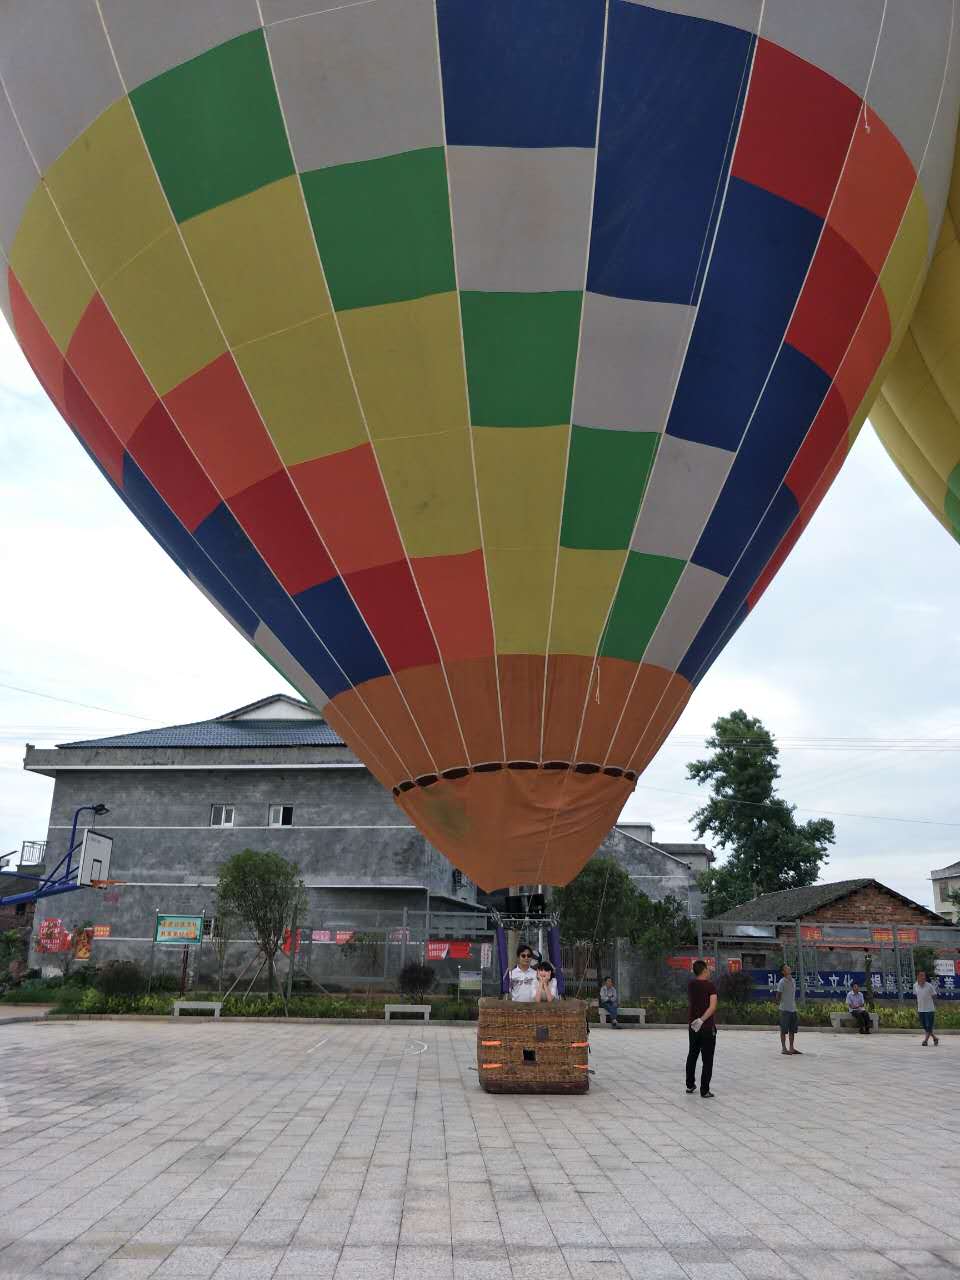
{"x":926,"y":1021}
{"x":612,"y":1008}
{"x":861,"y":1016}
{"x":702,"y":1045}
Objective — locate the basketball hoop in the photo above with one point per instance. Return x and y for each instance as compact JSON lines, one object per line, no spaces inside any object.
{"x":103,"y":884}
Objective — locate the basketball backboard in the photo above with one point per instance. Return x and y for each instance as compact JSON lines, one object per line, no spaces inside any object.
{"x":94,"y":857}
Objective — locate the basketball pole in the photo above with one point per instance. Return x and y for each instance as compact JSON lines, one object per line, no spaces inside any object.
{"x":62,"y":879}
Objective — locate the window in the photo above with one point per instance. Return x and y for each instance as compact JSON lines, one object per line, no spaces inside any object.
{"x":221,"y":815}
{"x":281,"y":815}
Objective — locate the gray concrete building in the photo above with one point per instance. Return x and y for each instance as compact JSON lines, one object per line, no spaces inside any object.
{"x":271,"y":775}
{"x":181,"y":800}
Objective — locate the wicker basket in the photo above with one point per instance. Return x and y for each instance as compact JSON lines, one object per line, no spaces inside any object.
{"x":533,"y":1048}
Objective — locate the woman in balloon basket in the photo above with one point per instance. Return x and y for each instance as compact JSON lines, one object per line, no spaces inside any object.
{"x":532,"y":1041}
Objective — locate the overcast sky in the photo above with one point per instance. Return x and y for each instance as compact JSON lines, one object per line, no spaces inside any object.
{"x":857,"y":638}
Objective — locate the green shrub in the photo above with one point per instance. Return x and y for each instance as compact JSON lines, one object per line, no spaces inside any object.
{"x":735,"y":988}
{"x":416,"y":979}
{"x":121,"y":977}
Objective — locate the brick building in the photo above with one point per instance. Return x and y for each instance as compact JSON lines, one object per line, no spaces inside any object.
{"x":854,"y":902}
{"x":834,"y":934}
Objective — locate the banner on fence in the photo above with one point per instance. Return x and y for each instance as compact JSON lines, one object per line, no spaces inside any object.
{"x":686,"y":962}
{"x":285,"y":945}
{"x":834,"y":984}
{"x":448,"y":951}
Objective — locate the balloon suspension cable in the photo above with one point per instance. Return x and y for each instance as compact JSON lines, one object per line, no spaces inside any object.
{"x":593,"y":940}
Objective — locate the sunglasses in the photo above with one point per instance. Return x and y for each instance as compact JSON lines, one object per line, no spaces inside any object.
{"x":526,"y":955}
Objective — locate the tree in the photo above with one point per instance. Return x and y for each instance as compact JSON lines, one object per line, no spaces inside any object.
{"x":265,"y":891}
{"x":663,"y":927}
{"x":603,"y":904}
{"x":13,"y":954}
{"x":225,"y":925}
{"x":768,"y":849}
{"x":599,"y":906}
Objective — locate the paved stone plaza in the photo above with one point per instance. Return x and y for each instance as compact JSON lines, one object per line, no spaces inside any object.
{"x":247,"y":1151}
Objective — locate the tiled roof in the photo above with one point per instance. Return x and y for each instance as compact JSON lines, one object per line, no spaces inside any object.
{"x":229,"y":733}
{"x":944,"y":872}
{"x":791,"y":904}
{"x":794,"y":904}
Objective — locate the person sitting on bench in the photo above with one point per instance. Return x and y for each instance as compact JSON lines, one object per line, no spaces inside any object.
{"x":609,"y":1001}
{"x":857,"y":1006}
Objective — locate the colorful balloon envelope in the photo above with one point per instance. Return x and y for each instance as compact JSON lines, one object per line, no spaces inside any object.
{"x":481,"y":360}
{"x":917,"y":414}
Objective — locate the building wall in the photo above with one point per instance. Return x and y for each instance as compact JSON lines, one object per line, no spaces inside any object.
{"x":871,"y":906}
{"x":355,"y":849}
{"x":940,"y":890}
{"x":654,"y":872}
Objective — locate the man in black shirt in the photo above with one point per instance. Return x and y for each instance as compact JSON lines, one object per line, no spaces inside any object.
{"x":702,"y":1006}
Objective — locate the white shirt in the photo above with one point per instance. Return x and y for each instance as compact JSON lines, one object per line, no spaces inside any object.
{"x":552,"y":989}
{"x":924,"y":996}
{"x":523,"y":984}
{"x":855,"y":1000}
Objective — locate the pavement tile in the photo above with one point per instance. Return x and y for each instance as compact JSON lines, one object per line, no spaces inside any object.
{"x":254,"y":1160}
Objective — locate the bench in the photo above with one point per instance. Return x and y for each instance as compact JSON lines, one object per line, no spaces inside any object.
{"x":639,"y":1014}
{"x":204,"y":1006}
{"x":389,"y":1009}
{"x":846,"y":1022}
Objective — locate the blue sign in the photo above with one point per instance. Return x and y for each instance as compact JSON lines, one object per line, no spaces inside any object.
{"x":834,"y":984}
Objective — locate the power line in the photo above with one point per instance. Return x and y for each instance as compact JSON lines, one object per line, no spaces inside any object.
{"x":825,"y":813}
{"x":89,"y":706}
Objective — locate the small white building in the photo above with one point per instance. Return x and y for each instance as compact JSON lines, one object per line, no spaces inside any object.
{"x":946,"y":881}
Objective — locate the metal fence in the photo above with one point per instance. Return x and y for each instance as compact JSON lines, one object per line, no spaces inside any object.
{"x":352,"y":951}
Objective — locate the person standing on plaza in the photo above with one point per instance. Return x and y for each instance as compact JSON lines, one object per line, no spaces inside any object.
{"x":701,"y":1016}
{"x":926,"y":1009}
{"x":857,"y":1007}
{"x":789,"y":1019}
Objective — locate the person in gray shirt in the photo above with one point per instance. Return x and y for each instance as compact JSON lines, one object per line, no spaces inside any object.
{"x":787,"y":990}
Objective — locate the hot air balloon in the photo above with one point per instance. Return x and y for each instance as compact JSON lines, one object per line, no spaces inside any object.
{"x":917,"y":413}
{"x":480,"y":360}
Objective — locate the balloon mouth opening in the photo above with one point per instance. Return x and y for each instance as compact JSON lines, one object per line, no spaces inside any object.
{"x":518,"y":766}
